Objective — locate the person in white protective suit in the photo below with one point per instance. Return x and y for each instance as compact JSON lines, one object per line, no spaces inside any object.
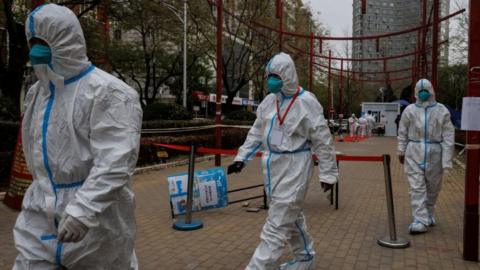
{"x":81,"y":131}
{"x":425,"y":147}
{"x":352,"y":125}
{"x":290,"y":126}
{"x":362,"y":122}
{"x":370,"y":123}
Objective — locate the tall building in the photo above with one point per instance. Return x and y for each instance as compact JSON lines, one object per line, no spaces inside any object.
{"x":386,"y":16}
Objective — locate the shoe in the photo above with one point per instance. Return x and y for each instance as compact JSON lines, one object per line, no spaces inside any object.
{"x":431,"y":220}
{"x":307,"y":264}
{"x":417,"y":227}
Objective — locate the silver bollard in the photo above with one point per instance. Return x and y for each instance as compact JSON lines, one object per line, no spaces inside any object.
{"x":191,"y":172}
{"x":188,"y":224}
{"x":393,"y":241}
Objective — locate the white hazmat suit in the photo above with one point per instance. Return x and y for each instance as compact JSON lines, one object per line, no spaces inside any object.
{"x":362,"y":122}
{"x":371,"y":123}
{"x":287,"y":165}
{"x":81,"y":132}
{"x":426,"y":140}
{"x":352,"y":125}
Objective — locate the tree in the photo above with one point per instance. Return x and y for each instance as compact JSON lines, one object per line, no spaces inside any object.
{"x":453,"y":84}
{"x":459,"y":38}
{"x":245,"y":51}
{"x":12,"y":71}
{"x":149,"y":54}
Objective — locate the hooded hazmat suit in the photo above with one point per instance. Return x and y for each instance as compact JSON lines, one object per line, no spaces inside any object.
{"x":371,"y":123}
{"x":426,"y":139}
{"x":352,"y":125}
{"x":363,"y":123}
{"x":287,"y":164}
{"x":81,"y":131}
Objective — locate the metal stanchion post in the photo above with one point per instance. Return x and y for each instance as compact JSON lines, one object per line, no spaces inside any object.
{"x":393,"y":241}
{"x":265,"y":203}
{"x":188,"y":224}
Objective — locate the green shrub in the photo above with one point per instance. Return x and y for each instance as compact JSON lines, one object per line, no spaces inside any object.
{"x":154,"y":124}
{"x":165,"y":111}
{"x":241,"y":115}
{"x":232,"y":138}
{"x":238,"y":122}
{"x":6,"y":161}
{"x":8,"y":135}
{"x":6,"y":109}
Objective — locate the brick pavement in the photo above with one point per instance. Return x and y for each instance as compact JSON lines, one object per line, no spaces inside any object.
{"x":344,"y":238}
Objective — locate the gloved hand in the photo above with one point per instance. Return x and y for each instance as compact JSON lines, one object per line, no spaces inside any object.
{"x":326,"y":186}
{"x":447,"y":170}
{"x":71,"y":229}
{"x":235,"y":167}
{"x":401,"y":159}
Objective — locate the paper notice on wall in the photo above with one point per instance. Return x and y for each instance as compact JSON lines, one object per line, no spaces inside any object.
{"x":470,"y":113}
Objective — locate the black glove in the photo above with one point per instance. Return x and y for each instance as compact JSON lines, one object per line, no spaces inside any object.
{"x":326,"y":186}
{"x":235,"y":167}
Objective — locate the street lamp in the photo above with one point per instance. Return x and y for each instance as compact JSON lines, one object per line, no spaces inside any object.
{"x":184,"y":21}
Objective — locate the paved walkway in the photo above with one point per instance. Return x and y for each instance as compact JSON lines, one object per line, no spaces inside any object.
{"x":344,"y":238}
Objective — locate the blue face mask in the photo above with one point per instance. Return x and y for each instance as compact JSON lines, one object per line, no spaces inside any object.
{"x":274,"y":84}
{"x":424,"y":95}
{"x":40,"y":54}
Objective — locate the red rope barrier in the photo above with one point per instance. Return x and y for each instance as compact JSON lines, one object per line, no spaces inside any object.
{"x":233,"y":152}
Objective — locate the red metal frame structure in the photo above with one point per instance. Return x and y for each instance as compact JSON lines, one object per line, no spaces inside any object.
{"x":330,"y":94}
{"x":280,"y":23}
{"x":311,"y":54}
{"x":470,"y":232}
{"x":379,"y":36}
{"x":436,"y":30}
{"x":219,"y":81}
{"x":340,"y":107}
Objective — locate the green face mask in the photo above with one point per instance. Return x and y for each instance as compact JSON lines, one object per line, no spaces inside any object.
{"x":424,"y":95}
{"x":40,"y":54}
{"x":274,"y":84}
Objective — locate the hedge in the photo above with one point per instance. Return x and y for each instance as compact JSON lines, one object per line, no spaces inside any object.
{"x":154,"y":124}
{"x":8,"y":139}
{"x":241,"y":115}
{"x":232,"y":138}
{"x":167,"y":111}
{"x":8,"y":135}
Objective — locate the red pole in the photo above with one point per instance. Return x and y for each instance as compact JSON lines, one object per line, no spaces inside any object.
{"x":470,"y":229}
{"x":385,"y":71}
{"x":418,"y":55}
{"x":414,"y":81}
{"x":36,"y":3}
{"x":218,"y":111}
{"x":310,"y":83}
{"x":341,"y":88}
{"x":424,"y":40}
{"x":364,"y":6}
{"x":330,"y":96}
{"x":280,"y":22}
{"x":436,"y":30}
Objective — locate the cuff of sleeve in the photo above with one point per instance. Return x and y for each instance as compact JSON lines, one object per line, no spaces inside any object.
{"x":241,"y":159}
{"x":83,"y":214}
{"x":329,"y":179}
{"x":447,"y":166}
